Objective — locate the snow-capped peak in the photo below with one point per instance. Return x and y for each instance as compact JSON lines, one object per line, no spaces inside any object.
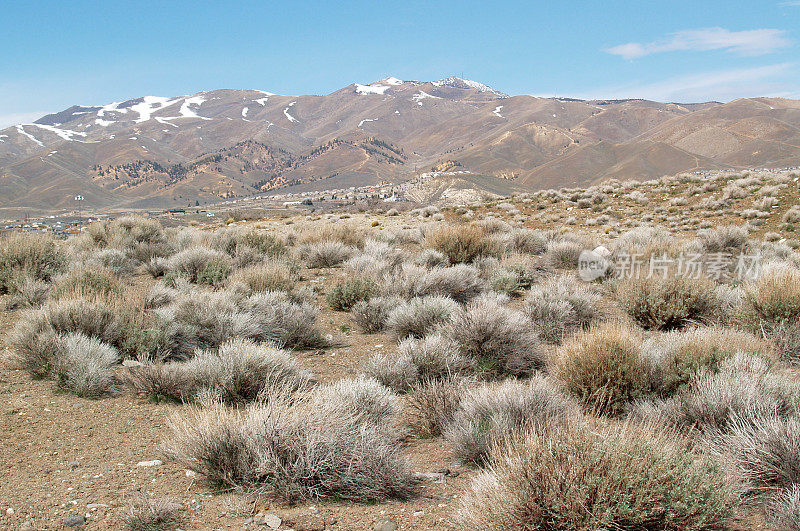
{"x":457,"y":82}
{"x":371,"y":89}
{"x":391,"y":80}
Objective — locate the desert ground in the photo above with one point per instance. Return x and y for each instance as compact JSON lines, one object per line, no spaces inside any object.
{"x":414,"y":367}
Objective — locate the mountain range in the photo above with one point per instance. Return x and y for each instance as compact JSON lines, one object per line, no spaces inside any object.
{"x":161,"y":152}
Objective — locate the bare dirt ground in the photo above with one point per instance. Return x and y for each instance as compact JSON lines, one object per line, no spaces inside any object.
{"x":65,"y":456}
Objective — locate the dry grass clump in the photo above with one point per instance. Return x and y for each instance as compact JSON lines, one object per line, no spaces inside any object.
{"x":495,"y":413}
{"x":324,"y":254}
{"x":562,"y":306}
{"x":364,"y":400}
{"x":31,"y":255}
{"x":499,"y":339}
{"x":577,"y":478}
{"x":603,"y":368}
{"x":430,"y":258}
{"x":242,"y":243}
{"x":289,"y":450}
{"x":273,"y":275}
{"x":377,"y":258}
{"x":678,"y":356}
{"x":432,"y":358}
{"x":667,"y":303}
{"x":345,"y":294}
{"x":239,"y":371}
{"x":371,"y":315}
{"x":461,"y":243}
{"x":420,"y":316}
{"x":114,"y":260}
{"x":152,"y":514}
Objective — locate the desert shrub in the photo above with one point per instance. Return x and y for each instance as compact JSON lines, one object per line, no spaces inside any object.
{"x":377,"y":258}
{"x":279,"y":319}
{"x":215,"y":272}
{"x":774,"y":297}
{"x":729,"y":238}
{"x":432,"y":358}
{"x":265,"y":276}
{"x":786,"y":335}
{"x":33,"y":255}
{"x":666,"y":303}
{"x":494,"y":414}
{"x":783,"y":510}
{"x":86,"y":282}
{"x":420,"y":316}
{"x":525,"y":241}
{"x":430,"y":258}
{"x":432,"y":404}
{"x":236,"y":241}
{"x":460,"y":282}
{"x":239,"y":371}
{"x":564,"y":254}
{"x":461,"y":243}
{"x":678,"y":356}
{"x":196,"y":261}
{"x":284,"y":450}
{"x":349,"y":234}
{"x":363,"y":400}
{"x":345,"y":294}
{"x":114,"y":260}
{"x":501,"y":340}
{"x":603,"y":368}
{"x":26,"y":292}
{"x":561,"y":307}
{"x":764,"y":453}
{"x":371,"y":315}
{"x":152,"y":514}
{"x":741,"y":389}
{"x":792,"y":215}
{"x":84,"y":365}
{"x":578,"y":478}
{"x":324,"y":254}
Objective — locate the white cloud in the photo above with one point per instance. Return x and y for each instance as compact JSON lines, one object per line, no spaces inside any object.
{"x":749,"y":42}
{"x":719,"y":85}
{"x":7,"y":120}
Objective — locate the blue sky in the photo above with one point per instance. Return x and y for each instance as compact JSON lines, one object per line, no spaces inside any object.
{"x":60,"y":53}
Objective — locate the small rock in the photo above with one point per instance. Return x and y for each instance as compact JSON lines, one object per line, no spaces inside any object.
{"x":386,"y":524}
{"x":27,"y":526}
{"x":131,"y":363}
{"x":9,"y":511}
{"x":74,"y":521}
{"x":272,"y":521}
{"x":154,"y":462}
{"x":95,"y":505}
{"x":418,"y":513}
{"x":437,"y":477}
{"x":190,"y":473}
{"x":74,"y":464}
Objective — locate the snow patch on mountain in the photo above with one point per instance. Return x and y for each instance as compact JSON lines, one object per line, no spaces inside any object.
{"x":367,"y":120}
{"x":66,"y":134}
{"x":186,"y":110}
{"x":26,"y":134}
{"x":244,"y":112}
{"x":151,"y":104}
{"x":497,"y":110}
{"x":421,"y":95}
{"x":457,"y":82}
{"x":391,"y":80}
{"x":371,"y":89}
{"x":289,"y":116}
